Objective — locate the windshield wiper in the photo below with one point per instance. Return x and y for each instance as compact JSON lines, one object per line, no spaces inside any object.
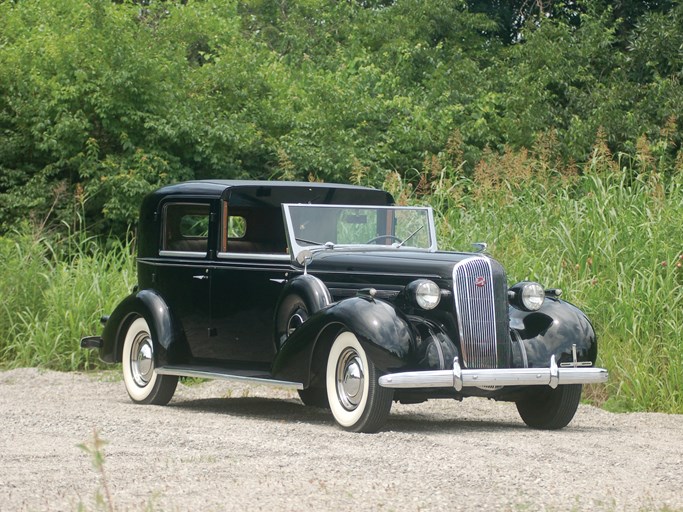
{"x":326,"y":245}
{"x":312,"y":242}
{"x":410,"y":236}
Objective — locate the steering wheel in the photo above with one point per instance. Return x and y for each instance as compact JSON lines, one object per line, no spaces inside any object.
{"x":383,"y":237}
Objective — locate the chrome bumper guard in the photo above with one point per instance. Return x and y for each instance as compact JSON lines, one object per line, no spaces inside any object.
{"x":92,"y":342}
{"x":498,"y":377}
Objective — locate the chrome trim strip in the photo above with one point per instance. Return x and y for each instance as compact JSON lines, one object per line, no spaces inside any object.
{"x":218,"y":264}
{"x":554,"y":373}
{"x":522,"y":348}
{"x":432,"y":230}
{"x":184,"y":254}
{"x":576,"y":365}
{"x":457,"y":375}
{"x":208,"y":374}
{"x":254,"y":256}
{"x":352,"y":292}
{"x":459,"y":378}
{"x":378,"y":274}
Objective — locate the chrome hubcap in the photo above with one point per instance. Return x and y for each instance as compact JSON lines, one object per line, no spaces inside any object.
{"x":142,"y":359}
{"x":295,"y":321}
{"x":350,"y":379}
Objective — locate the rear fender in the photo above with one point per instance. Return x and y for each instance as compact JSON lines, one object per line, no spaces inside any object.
{"x":552,"y":331}
{"x":384,"y":334}
{"x":170,"y":344}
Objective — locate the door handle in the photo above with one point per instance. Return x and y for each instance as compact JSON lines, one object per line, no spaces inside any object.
{"x":201,"y":277}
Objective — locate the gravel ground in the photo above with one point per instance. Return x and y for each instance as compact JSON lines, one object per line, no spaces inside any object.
{"x":222,"y":446}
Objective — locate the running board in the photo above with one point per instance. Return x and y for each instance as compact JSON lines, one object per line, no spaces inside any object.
{"x":252,"y":376}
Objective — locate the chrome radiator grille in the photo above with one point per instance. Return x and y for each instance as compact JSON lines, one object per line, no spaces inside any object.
{"x":473,"y":285}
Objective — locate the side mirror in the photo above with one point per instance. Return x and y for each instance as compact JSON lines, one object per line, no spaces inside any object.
{"x":304,"y":258}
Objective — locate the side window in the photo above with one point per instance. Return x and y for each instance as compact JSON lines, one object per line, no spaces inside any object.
{"x":186,"y":228}
{"x":252,"y":230}
{"x":237,"y":226}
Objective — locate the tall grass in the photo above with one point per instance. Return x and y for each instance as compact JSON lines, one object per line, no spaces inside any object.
{"x":53,"y":293}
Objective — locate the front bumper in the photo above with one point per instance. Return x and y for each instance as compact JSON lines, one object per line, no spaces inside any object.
{"x":498,"y":377}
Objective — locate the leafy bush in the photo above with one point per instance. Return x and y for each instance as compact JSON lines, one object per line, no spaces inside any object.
{"x":103,"y":101}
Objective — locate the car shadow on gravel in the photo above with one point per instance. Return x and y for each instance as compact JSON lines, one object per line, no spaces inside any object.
{"x":422,"y":424}
{"x":268,"y":409}
{"x":278,"y":410}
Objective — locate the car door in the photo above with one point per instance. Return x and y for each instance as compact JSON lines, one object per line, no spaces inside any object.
{"x":244,"y":294}
{"x":252,"y":266}
{"x":183,"y":272}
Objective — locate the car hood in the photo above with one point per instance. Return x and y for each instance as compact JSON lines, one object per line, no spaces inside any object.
{"x":398,"y":262}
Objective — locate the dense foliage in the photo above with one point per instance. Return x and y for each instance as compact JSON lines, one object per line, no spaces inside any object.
{"x":102,"y":101}
{"x":550,"y":129}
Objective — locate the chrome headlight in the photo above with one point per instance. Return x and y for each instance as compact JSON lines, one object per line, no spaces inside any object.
{"x":425,"y":293}
{"x":527,"y":296}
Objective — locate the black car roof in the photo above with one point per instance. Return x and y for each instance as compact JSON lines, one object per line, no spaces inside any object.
{"x":248,"y":194}
{"x":219,"y":187}
{"x":270,"y":193}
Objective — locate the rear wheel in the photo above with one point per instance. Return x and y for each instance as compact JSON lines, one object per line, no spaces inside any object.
{"x":550,"y":409}
{"x":357,"y":401}
{"x":143,"y":384}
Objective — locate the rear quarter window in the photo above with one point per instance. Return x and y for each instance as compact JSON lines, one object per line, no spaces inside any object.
{"x":186,"y":227}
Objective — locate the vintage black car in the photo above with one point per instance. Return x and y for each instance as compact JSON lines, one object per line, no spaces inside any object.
{"x":336,"y":292}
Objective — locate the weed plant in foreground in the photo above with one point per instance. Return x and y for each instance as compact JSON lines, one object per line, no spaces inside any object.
{"x":95,"y":449}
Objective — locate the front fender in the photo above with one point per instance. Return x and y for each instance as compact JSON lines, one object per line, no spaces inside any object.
{"x":382,"y":331}
{"x":553,"y":330}
{"x":311,"y":289}
{"x":170,"y":345}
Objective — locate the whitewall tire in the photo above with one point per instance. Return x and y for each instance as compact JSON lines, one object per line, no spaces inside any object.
{"x":143,"y":384}
{"x":357,"y":401}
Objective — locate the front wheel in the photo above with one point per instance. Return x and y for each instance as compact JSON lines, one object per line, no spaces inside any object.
{"x":143,"y":384}
{"x":357,"y":401}
{"x":550,"y":409}
{"x":291,"y":315}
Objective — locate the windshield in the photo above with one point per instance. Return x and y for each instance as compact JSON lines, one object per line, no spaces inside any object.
{"x":311,"y":226}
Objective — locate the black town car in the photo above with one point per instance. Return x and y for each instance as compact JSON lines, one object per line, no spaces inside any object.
{"x":336,"y":292}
